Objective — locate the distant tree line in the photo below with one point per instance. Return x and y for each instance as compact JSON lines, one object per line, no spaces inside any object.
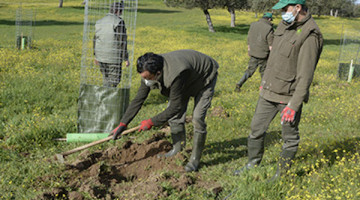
{"x":335,"y":8}
{"x":61,"y":2}
{"x":343,"y":8}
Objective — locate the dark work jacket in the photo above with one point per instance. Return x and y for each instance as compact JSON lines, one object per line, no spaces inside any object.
{"x":184,"y":74}
{"x":260,"y":37}
{"x":292,"y":61}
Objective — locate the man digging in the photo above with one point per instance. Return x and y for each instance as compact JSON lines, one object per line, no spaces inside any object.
{"x":178,"y":75}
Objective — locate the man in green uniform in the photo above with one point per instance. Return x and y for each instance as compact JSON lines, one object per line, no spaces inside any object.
{"x":110,"y":45}
{"x":260,"y":38}
{"x":179,"y":75}
{"x":285,"y":86}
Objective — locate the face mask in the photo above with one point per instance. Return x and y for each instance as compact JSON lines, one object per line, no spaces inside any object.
{"x":149,"y":83}
{"x":288,"y":16}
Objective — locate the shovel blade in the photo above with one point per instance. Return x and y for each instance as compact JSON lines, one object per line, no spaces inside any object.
{"x":60,"y":158}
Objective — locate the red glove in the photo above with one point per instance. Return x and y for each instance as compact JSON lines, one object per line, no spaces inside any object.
{"x":146,"y":125}
{"x":118,"y":130}
{"x":288,"y":115}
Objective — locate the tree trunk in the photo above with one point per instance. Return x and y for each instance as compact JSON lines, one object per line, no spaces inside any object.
{"x":319,"y":11}
{"x":61,"y":3}
{"x":232,"y":13}
{"x":209,"y":22}
{"x":336,"y":12}
{"x":331,"y":13}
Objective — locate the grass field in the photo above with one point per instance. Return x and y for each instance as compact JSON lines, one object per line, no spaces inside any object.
{"x":39,"y":90}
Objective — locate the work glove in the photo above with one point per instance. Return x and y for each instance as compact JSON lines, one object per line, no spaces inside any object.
{"x":146,"y":125}
{"x":118,"y":130}
{"x":287,"y":115}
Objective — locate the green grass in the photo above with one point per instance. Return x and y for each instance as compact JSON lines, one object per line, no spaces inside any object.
{"x":39,"y":91}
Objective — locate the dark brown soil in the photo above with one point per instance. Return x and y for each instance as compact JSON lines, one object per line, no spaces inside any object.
{"x":133,"y":171}
{"x":219,"y":111}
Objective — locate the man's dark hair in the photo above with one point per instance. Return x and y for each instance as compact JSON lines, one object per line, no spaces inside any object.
{"x":150,"y":62}
{"x":305,"y":8}
{"x":117,"y":7}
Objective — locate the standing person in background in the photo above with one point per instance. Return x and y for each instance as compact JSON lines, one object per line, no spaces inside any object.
{"x":110,"y":45}
{"x":260,"y":38}
{"x":285,"y":86}
{"x":178,"y":75}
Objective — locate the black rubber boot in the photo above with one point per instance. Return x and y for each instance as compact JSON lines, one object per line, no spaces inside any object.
{"x":198,"y":147}
{"x":255,"y":153}
{"x":284,"y":164}
{"x":241,"y":82}
{"x":237,"y":88}
{"x":179,"y":142}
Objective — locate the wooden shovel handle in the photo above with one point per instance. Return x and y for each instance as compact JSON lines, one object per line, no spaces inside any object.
{"x":97,"y":142}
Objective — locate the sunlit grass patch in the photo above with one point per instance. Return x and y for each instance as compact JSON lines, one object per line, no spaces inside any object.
{"x":39,"y":90}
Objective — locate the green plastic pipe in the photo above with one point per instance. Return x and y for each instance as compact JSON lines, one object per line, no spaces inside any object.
{"x":85,"y":137}
{"x":351,"y":71}
{"x":23,"y":43}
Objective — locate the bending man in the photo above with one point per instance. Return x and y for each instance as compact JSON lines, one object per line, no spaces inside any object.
{"x":179,"y":75}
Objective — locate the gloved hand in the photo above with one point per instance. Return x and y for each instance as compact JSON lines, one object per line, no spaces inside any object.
{"x":288,"y":115}
{"x":118,"y":130}
{"x":146,"y":125}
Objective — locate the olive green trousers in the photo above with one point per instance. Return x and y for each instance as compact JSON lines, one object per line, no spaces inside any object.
{"x":265,"y":112}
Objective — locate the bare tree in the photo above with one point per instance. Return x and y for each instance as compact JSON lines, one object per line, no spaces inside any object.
{"x":233,"y":5}
{"x":204,"y":5}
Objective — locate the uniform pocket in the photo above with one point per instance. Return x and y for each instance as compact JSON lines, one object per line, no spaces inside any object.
{"x":286,"y":48}
{"x":280,"y":82}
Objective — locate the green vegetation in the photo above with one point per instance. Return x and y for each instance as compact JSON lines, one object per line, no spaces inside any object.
{"x":39,"y":91}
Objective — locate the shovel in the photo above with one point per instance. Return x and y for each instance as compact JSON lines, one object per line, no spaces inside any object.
{"x":61,"y":157}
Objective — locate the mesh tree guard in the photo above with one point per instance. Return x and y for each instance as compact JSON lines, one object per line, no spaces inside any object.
{"x":105,"y":77}
{"x":25,"y":19}
{"x":349,"y":59}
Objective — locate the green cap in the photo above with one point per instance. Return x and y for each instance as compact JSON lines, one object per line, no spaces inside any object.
{"x":268,"y":15}
{"x":283,"y":3}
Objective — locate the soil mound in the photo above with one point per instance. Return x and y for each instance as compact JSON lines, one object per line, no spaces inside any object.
{"x":219,"y":111}
{"x":134,"y":171}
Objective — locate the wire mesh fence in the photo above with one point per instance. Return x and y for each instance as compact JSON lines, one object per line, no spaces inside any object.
{"x":349,"y":59}
{"x":106,"y":65}
{"x":25,"y":22}
{"x":109,"y":35}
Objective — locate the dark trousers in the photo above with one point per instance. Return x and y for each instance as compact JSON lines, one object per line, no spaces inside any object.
{"x":202,"y":103}
{"x":254,"y":63}
{"x":264,"y":113}
{"x":111,"y":74}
